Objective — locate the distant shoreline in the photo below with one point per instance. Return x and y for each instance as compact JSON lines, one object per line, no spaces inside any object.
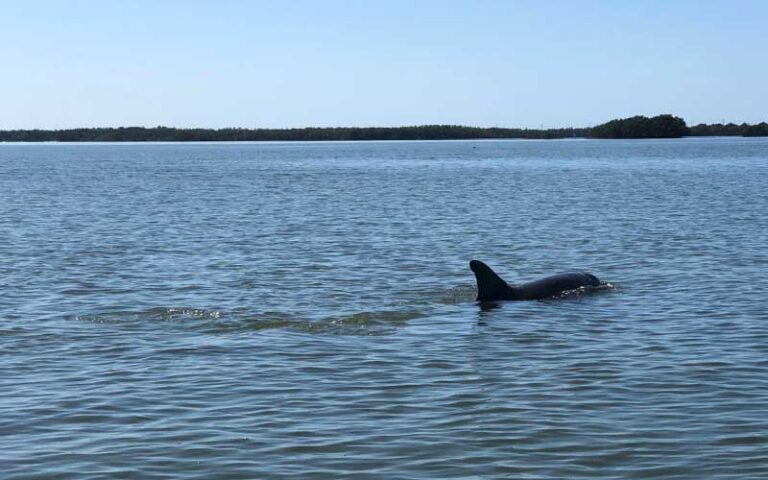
{"x":167,"y":134}
{"x":288,"y":142}
{"x":419,"y":132}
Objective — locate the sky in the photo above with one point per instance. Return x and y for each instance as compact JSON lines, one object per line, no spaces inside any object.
{"x":284,"y":64}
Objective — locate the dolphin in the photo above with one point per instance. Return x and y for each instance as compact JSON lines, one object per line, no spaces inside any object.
{"x":490,"y":287}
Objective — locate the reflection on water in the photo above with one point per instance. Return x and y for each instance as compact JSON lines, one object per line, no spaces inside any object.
{"x":276,"y":310}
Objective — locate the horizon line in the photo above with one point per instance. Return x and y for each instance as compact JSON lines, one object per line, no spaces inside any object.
{"x":419,"y":125}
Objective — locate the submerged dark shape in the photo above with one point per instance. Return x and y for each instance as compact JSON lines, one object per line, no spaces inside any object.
{"x":490,"y":287}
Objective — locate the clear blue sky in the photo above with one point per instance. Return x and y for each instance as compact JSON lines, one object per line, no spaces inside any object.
{"x":294,"y":63}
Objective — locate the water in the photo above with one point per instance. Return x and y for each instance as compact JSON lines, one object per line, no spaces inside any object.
{"x":306,"y":310}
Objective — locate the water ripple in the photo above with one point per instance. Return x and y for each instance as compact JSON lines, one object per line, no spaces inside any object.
{"x":306,"y":310}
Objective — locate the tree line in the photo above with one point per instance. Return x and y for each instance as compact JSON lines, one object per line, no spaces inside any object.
{"x":661,"y":126}
{"x":730,"y":130}
{"x":167,"y":134}
{"x":669,"y":126}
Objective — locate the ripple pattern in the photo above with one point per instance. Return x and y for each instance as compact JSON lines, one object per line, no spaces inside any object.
{"x":306,"y":310}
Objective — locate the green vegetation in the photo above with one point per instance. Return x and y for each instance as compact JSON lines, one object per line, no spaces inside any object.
{"x":165,"y":134}
{"x":730,"y":130}
{"x":718,"y":130}
{"x":759,"y":130}
{"x":661,"y":126}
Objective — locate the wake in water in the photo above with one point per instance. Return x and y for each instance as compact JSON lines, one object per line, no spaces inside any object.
{"x":217,"y":321}
{"x":372,"y":322}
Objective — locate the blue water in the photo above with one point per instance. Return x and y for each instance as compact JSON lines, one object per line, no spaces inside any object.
{"x":306,"y":310}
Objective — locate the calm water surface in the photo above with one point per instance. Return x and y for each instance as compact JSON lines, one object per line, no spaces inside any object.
{"x":306,"y":310}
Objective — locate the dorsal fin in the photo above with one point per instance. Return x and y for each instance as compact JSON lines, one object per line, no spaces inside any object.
{"x":490,"y":286}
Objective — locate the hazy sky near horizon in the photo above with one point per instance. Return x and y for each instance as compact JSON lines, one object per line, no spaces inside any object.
{"x":297,"y":63}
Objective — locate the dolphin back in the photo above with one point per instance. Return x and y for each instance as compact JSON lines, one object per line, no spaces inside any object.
{"x":555,"y":285}
{"x":491,"y":287}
